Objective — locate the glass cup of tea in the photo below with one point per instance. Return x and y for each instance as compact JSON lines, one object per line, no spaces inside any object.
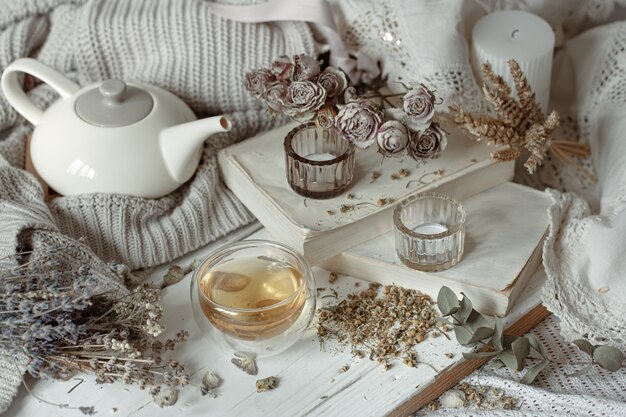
{"x":254,"y":296}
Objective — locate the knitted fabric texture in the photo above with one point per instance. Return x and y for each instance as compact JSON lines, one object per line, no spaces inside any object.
{"x":179,"y":46}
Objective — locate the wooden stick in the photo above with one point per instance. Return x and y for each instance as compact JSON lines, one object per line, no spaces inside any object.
{"x":449,"y":377}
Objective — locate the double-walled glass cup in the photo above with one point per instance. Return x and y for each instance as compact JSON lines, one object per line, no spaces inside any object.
{"x":319,"y":162}
{"x":254,"y":296}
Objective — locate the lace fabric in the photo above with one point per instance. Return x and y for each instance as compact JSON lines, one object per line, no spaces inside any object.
{"x":596,"y":394}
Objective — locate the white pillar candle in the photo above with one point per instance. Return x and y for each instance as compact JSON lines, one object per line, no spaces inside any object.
{"x":320,"y":156}
{"x":525,"y":37}
{"x":430,"y":228}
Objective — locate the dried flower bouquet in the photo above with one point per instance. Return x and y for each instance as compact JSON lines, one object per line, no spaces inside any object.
{"x":518,"y":124}
{"x":299,"y":88}
{"x":62,"y":322}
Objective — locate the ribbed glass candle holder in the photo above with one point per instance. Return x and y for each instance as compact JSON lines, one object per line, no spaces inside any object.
{"x":429,"y":232}
{"x":319,"y":162}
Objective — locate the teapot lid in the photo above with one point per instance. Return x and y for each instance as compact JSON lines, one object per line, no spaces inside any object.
{"x":114,"y":104}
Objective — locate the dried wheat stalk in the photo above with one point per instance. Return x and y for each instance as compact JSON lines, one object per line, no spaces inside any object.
{"x":518,"y":123}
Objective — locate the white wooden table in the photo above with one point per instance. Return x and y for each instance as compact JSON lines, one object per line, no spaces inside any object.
{"x":311,"y":383}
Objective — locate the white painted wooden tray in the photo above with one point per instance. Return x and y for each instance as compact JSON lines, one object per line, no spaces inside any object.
{"x":311,"y":383}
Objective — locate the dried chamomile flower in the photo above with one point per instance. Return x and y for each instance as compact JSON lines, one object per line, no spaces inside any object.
{"x":345,"y":208}
{"x":266,"y":384}
{"x":383,"y":325}
{"x":166,"y":397}
{"x":210,"y":382}
{"x":384,"y":201}
{"x":174,"y":274}
{"x":246,"y":362}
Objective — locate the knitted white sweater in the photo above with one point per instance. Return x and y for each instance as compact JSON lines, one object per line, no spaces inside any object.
{"x":177,"y":45}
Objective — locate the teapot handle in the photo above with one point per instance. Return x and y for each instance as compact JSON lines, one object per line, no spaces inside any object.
{"x":18,"y":98}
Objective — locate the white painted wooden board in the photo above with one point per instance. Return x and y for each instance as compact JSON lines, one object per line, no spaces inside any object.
{"x":255,"y":171}
{"x":504,"y":228}
{"x":311,"y":383}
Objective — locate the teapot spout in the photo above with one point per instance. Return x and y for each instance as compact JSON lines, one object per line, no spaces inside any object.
{"x":181,"y":145}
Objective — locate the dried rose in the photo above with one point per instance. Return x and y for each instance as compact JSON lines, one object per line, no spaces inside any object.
{"x":282,"y":68}
{"x":305,"y":67}
{"x":302,"y":100}
{"x":429,"y":143}
{"x":273,"y":95}
{"x":350,"y":95}
{"x":258,"y":80}
{"x":325,"y":117}
{"x":358,"y":122}
{"x":334,"y":81}
{"x":419,"y":105}
{"x":393,"y":138}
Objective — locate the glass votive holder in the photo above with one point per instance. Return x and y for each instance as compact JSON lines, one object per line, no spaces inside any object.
{"x":254,"y":296}
{"x":319,"y":162}
{"x":429,"y":232}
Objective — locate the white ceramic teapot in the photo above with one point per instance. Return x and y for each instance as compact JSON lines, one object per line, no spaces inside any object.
{"x":112,"y":136}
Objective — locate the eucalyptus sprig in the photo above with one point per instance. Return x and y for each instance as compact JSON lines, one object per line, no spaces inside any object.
{"x":472,"y":329}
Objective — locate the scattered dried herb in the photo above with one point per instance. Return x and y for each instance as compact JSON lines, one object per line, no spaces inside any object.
{"x":166,"y":397}
{"x":246,"y":362}
{"x":482,"y":398}
{"x":345,"y":208}
{"x":374,"y":176}
{"x":384,"y":322}
{"x":266,"y":384}
{"x":332,"y":277}
{"x":330,"y":212}
{"x":210,"y":382}
{"x":384,"y":201}
{"x":344,"y":368}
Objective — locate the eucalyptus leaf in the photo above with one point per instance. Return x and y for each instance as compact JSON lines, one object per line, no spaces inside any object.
{"x":463,"y":335}
{"x":521,"y":349}
{"x":532,"y":373}
{"x":496,"y":363}
{"x":480,"y":355}
{"x":581,"y":371}
{"x":508,"y":339}
{"x":464,"y":311}
{"x":476,"y":320}
{"x":536,"y":344}
{"x":608,"y":357}
{"x":508,"y":358}
{"x":584,"y":345}
{"x":496,"y":338}
{"x":447,"y":301}
{"x":480,"y":334}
